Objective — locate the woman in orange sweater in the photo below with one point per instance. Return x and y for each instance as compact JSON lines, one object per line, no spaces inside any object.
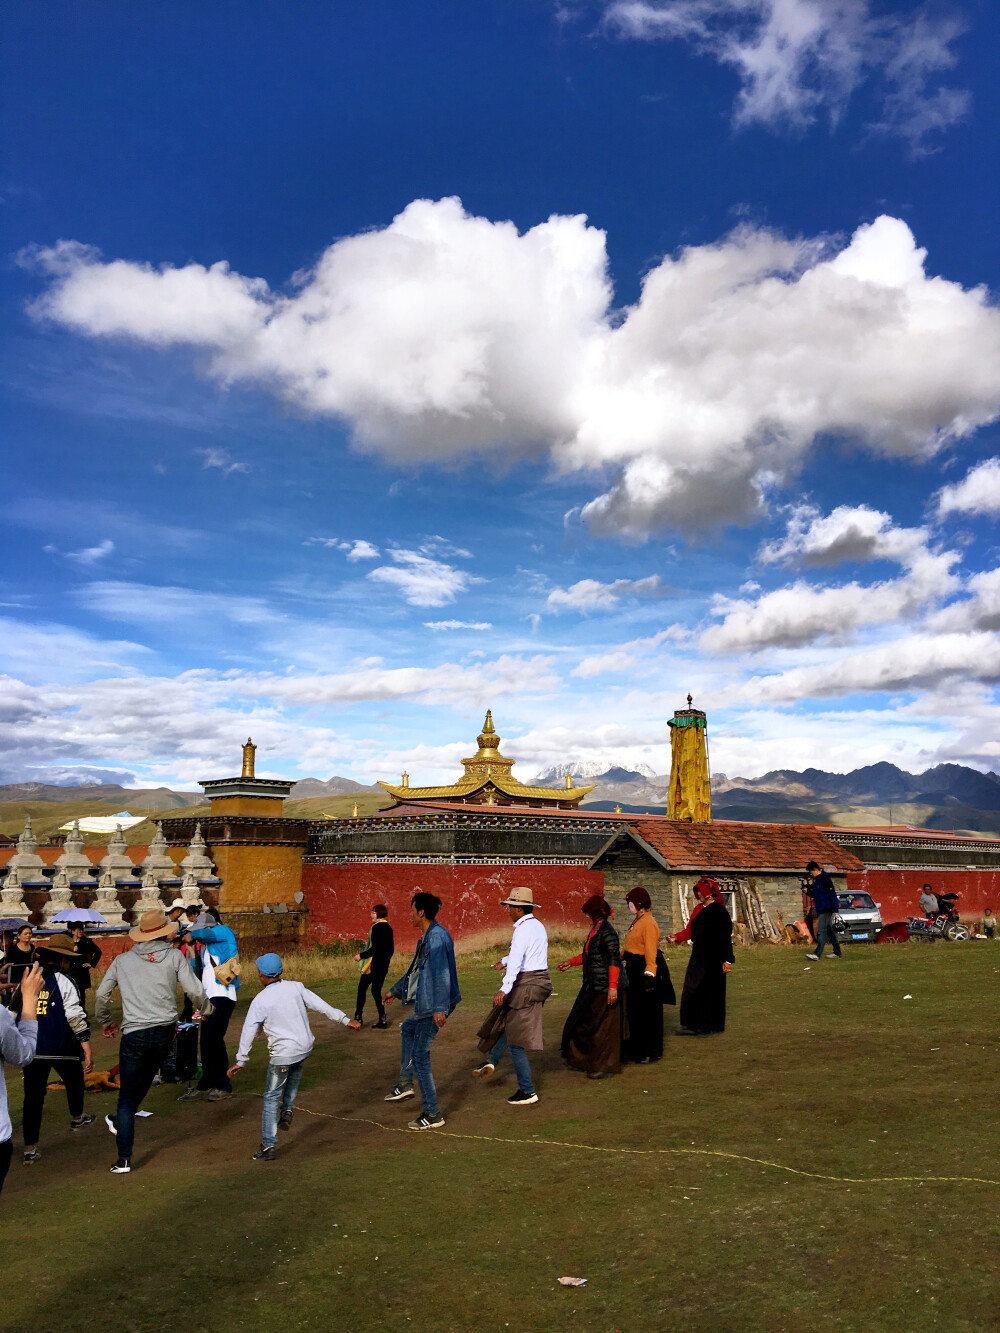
{"x":645,"y":1009}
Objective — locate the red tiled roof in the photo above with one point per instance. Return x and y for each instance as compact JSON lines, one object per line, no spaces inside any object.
{"x":741,"y":846}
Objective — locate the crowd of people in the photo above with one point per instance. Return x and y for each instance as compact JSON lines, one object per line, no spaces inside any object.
{"x":616,"y":1017}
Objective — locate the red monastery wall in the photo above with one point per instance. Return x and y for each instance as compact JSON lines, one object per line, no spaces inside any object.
{"x":340,"y":897}
{"x":898,"y":890}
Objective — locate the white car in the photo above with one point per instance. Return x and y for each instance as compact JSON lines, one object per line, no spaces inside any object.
{"x":859,"y":919}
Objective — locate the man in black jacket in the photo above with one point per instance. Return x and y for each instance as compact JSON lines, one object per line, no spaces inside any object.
{"x":825,"y":904}
{"x":375,"y":958}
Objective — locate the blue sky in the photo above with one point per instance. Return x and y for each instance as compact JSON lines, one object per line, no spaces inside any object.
{"x":366,"y":366}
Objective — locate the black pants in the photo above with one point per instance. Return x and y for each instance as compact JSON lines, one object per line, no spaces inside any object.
{"x":139,"y":1057}
{"x":375,"y":979}
{"x":6,"y":1149}
{"x":36,"y":1077}
{"x":214,"y":1056}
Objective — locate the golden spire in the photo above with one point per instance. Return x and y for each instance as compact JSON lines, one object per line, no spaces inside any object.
{"x":405,"y":780}
{"x":249,"y":750}
{"x":354,"y":812}
{"x":569,"y":781}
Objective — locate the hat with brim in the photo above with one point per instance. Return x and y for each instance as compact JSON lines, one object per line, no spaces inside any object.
{"x":61,"y":944}
{"x":521,"y":897}
{"x":178,"y":902}
{"x":153,"y":926}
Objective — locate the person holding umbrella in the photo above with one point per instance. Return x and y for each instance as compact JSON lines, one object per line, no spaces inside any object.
{"x":88,"y":955}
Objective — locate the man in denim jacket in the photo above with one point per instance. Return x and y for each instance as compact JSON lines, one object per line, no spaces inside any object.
{"x":430,"y":984}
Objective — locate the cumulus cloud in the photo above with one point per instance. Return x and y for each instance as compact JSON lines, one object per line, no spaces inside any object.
{"x":626,"y":655}
{"x":360,"y":550}
{"x":444,"y":335}
{"x":917,"y":661}
{"x":977,"y":493}
{"x":423,"y":580}
{"x":981,"y":610}
{"x":798,"y":59}
{"x":438,"y":625}
{"x":801,"y":613}
{"x":593,"y":595}
{"x":849,"y":532}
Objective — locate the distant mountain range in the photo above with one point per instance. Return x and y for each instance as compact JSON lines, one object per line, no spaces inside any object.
{"x":948,"y":796}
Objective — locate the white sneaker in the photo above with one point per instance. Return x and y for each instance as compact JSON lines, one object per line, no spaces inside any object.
{"x":813,"y":956}
{"x":484,"y":1070}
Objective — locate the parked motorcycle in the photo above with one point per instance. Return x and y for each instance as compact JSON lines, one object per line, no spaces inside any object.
{"x":942,"y":924}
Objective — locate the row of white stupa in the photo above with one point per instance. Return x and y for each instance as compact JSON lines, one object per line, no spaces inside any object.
{"x":74,"y":872}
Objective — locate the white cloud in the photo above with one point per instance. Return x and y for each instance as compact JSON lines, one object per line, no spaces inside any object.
{"x":360,"y":550}
{"x":60,"y":652}
{"x":223,"y":460}
{"x":422,"y":580}
{"x":458,"y":624}
{"x":797,"y":59}
{"x":147,"y":604}
{"x":626,"y":655}
{"x":977,"y":493}
{"x":849,"y":532}
{"x":444,"y":335}
{"x":979,"y":611}
{"x":917,"y":661}
{"x":88,"y":555}
{"x":801,"y":613}
{"x":592,"y":595}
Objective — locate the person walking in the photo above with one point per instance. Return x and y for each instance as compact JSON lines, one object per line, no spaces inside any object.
{"x":281,"y":1009}
{"x":63,"y":1043}
{"x":643,"y":1005}
{"x":703,"y":999}
{"x":825,"y":904}
{"x":18,"y":1041}
{"x":430,"y":985}
{"x":514,"y":1023}
{"x":220,"y":979}
{"x":147,"y":978}
{"x":593,"y":1034}
{"x":88,"y":955}
{"x":374,"y":960}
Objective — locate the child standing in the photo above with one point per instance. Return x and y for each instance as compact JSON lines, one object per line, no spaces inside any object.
{"x":281,"y":1009}
{"x":989,"y":923}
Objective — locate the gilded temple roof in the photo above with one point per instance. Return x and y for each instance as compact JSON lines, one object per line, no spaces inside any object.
{"x":488,"y":778}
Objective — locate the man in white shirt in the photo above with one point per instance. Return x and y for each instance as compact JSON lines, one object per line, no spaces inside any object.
{"x":515,"y":1022}
{"x":281,"y":1010}
{"x":928,"y":901}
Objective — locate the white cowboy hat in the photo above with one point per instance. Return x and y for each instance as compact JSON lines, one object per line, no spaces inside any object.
{"x":520,"y":897}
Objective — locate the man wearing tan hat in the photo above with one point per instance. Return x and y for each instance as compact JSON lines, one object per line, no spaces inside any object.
{"x":147,"y":978}
{"x":515,"y":1021}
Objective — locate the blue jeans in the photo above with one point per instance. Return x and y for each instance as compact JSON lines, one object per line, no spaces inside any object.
{"x":281,"y":1087}
{"x":825,"y":934}
{"x":417,"y":1034}
{"x":519,"y":1060}
{"x":139,"y":1059}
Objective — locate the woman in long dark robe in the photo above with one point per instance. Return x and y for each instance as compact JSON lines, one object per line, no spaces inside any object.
{"x":643,"y":1005}
{"x":703,"y":1001}
{"x":594,"y":1031}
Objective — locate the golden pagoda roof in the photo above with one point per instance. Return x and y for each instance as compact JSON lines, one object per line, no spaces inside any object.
{"x":488,"y":771}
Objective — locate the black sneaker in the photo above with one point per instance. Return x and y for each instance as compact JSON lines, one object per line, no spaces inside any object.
{"x":263,"y":1155}
{"x":122,"y":1167}
{"x":383,"y":1023}
{"x":398,"y":1094}
{"x":522,"y":1098}
{"x":30,"y":1155}
{"x":426,"y":1122}
{"x":81,"y":1122}
{"x":484,"y":1070}
{"x":285,"y":1120}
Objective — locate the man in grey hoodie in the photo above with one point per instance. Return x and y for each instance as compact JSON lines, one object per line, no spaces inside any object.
{"x":147,"y":977}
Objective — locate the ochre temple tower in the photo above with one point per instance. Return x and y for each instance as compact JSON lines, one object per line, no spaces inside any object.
{"x":690,"y":794}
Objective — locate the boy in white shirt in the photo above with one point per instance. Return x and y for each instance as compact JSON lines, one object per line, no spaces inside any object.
{"x":281,"y":1009}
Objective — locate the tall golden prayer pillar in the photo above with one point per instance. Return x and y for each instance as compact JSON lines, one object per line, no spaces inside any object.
{"x":690,"y":794}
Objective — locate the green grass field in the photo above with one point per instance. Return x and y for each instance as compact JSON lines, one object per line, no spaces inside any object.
{"x":361,"y":1226}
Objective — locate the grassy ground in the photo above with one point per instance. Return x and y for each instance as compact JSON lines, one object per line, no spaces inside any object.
{"x":359,"y":1225}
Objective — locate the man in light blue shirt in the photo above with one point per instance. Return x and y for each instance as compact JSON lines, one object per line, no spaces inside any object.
{"x":18,"y":1040}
